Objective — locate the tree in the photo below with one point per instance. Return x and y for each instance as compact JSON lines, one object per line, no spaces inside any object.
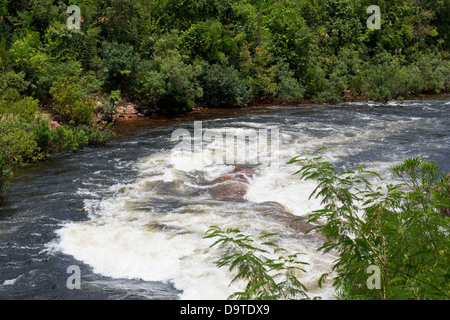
{"x":69,"y":102}
{"x":168,"y":83}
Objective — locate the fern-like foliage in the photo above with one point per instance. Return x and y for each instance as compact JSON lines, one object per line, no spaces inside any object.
{"x":269,"y":271}
{"x":400,"y":228}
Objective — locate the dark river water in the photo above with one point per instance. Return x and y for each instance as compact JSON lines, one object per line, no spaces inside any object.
{"x":132,"y":214}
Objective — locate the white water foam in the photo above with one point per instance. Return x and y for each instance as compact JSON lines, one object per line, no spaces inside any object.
{"x":121,"y":240}
{"x":129,"y":237}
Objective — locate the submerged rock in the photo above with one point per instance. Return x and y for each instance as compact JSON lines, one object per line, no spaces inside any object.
{"x":230,"y":191}
{"x":232,"y":186}
{"x":238,"y":174}
{"x":294,"y":224}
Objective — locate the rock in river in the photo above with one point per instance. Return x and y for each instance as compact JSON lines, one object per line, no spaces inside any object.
{"x":232,"y":186}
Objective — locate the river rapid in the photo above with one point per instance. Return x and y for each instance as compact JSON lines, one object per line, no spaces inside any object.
{"x":132,"y":215}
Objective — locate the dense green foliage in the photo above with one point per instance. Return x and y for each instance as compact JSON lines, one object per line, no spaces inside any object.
{"x":172,"y":54}
{"x":27,"y":140}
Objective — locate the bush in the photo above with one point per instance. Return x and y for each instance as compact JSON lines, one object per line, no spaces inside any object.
{"x":118,"y":66}
{"x":255,"y":65}
{"x":291,"y":37}
{"x":69,"y":102}
{"x":222,"y":86}
{"x":59,"y":139}
{"x":16,"y":146}
{"x":107,"y":109}
{"x":288,"y":88}
{"x":434,"y":72}
{"x":32,"y":140}
{"x":346,"y":74}
{"x":168,"y":83}
{"x":48,"y":75}
{"x":27,"y":55}
{"x":203,"y":40}
{"x":92,"y":136}
{"x":67,"y":138}
{"x":26,"y":108}
{"x":314,"y":81}
{"x":12,"y":85}
{"x":65,"y":45}
{"x":6,"y":172}
{"x":15,"y":138}
{"x":388,"y":77}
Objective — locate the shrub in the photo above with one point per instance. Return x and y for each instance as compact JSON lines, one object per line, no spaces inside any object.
{"x":49,"y":74}
{"x":204,"y":40}
{"x":12,"y":85}
{"x":27,"y":55}
{"x":6,"y":172}
{"x":16,"y":146}
{"x":314,"y":81}
{"x":434,"y":72}
{"x":26,"y":108}
{"x":69,"y":138}
{"x":69,"y":102}
{"x":16,"y":140}
{"x":346,"y":74}
{"x":291,"y":37}
{"x":108,"y":107}
{"x":92,"y":136}
{"x":118,"y":65}
{"x":222,"y":86}
{"x":65,"y":45}
{"x":255,"y":65}
{"x":168,"y":83}
{"x":48,"y":140}
{"x":388,"y":77}
{"x":288,"y":88}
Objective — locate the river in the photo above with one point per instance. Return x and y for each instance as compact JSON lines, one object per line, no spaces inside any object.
{"x":132,"y":215}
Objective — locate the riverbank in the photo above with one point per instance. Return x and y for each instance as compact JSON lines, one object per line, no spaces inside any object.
{"x":50,"y":135}
{"x":132,"y":111}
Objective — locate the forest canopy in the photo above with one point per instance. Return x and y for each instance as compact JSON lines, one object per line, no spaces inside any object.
{"x":172,"y":54}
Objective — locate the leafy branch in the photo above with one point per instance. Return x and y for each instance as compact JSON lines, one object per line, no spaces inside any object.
{"x":267,"y":278}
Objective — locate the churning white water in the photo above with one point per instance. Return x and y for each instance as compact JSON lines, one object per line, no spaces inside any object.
{"x":153,"y":228}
